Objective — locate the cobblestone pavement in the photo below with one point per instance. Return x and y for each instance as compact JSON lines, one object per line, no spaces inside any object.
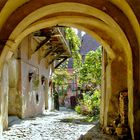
{"x":47,"y":127}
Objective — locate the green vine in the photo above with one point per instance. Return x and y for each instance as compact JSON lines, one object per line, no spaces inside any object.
{"x":74,"y":43}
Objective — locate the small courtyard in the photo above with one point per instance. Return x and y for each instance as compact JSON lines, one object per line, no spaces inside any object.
{"x":55,"y":125}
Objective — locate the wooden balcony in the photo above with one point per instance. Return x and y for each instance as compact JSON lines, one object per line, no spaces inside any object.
{"x":52,"y":45}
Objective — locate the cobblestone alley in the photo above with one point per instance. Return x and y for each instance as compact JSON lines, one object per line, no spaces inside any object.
{"x":50,"y":126}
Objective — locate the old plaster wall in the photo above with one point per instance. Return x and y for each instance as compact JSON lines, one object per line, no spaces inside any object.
{"x":46,"y":91}
{"x":50,"y":89}
{"x":4,"y":99}
{"x":118,"y":84}
{"x":114,"y":80}
{"x":33,"y":95}
{"x":27,"y":97}
{"x":14,"y":96}
{"x":103,"y":88}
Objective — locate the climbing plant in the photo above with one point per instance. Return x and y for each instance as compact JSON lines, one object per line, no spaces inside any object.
{"x":90,"y":70}
{"x":74,"y":43}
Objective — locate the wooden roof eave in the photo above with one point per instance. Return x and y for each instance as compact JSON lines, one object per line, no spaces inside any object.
{"x":64,"y":44}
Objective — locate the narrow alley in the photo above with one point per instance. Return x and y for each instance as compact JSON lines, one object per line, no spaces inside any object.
{"x":52,"y":126}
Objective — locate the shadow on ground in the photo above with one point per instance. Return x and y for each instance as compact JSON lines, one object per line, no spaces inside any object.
{"x":13,"y":120}
{"x":47,"y":115}
{"x":96,"y":134}
{"x":77,"y":121}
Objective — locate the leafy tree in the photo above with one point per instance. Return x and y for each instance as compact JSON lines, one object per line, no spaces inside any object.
{"x":90,"y":71}
{"x":61,"y":77}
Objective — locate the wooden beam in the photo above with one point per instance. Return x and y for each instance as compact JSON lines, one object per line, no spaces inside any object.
{"x":55,"y":57}
{"x":64,"y":59}
{"x":42,"y":43}
{"x":53,"y":49}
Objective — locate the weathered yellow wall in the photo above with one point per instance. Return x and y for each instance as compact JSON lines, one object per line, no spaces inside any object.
{"x":4,"y":99}
{"x":103,"y":88}
{"x":118,"y":84}
{"x":114,"y":80}
{"x":14,"y":97}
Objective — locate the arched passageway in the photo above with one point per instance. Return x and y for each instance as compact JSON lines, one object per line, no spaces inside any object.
{"x":114,"y":23}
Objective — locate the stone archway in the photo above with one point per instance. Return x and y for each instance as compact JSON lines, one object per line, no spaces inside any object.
{"x":96,"y":17}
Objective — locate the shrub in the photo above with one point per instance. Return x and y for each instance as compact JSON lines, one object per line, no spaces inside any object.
{"x":78,"y":109}
{"x":90,"y":104}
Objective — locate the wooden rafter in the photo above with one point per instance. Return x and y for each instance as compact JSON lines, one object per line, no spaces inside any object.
{"x":64,"y":59}
{"x":42,"y":43}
